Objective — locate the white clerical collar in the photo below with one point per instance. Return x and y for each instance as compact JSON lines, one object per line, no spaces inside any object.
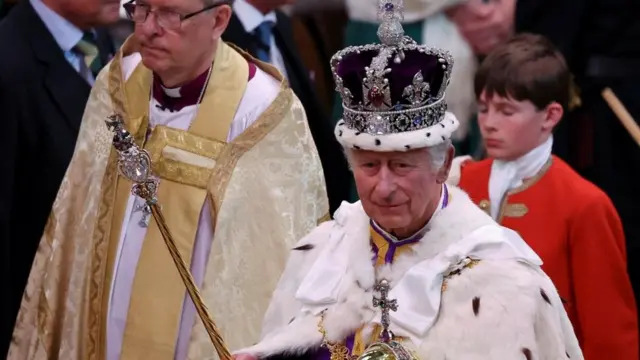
{"x":507,"y":175}
{"x":444,"y":201}
{"x":172,"y":92}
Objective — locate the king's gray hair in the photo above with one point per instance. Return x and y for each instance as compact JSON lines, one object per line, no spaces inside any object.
{"x":437,"y":154}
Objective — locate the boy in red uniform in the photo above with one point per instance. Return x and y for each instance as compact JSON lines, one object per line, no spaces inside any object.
{"x":522,"y":89}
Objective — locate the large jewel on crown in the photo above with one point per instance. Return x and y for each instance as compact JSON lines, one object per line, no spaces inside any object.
{"x":375,"y":85}
{"x":397,"y":80}
{"x":378,"y":97}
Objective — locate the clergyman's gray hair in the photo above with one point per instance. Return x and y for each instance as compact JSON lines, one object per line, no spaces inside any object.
{"x":214,"y":2}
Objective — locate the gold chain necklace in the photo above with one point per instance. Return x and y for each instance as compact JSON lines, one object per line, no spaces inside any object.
{"x":338,"y":351}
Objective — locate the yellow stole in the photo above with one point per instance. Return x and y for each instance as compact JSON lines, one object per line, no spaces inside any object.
{"x":184,"y":161}
{"x":359,"y":344}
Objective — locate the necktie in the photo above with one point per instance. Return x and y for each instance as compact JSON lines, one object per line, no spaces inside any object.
{"x":89,"y":50}
{"x":263,"y":34}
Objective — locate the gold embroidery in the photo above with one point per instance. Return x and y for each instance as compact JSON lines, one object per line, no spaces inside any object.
{"x":134,"y":110}
{"x":525,"y":185}
{"x":162,"y":137}
{"x":266,"y":67}
{"x":105,"y":230}
{"x":324,"y":218}
{"x":67,"y":244}
{"x":466,"y":263}
{"x":106,"y":235}
{"x":229,"y":157}
{"x":269,"y":119}
{"x":359,"y":345}
{"x":148,"y":331}
{"x":338,"y":351}
{"x":383,"y":247}
{"x":515,"y":210}
{"x":165,"y":136}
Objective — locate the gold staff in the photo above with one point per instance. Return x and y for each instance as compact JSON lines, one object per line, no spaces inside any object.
{"x":622,"y":113}
{"x":134,"y":163}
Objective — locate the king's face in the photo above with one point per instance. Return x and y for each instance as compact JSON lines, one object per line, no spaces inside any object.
{"x":396,"y":189}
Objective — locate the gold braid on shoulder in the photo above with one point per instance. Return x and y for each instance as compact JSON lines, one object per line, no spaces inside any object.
{"x":337,"y":351}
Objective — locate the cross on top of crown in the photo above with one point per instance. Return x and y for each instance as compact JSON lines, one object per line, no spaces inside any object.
{"x":390,"y":15}
{"x":386,"y":305}
{"x":390,"y":9}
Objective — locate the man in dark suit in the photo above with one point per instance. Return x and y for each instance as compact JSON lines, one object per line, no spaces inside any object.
{"x":258,"y":27}
{"x":53,"y":52}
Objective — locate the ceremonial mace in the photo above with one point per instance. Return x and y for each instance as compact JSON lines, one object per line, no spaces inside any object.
{"x":134,"y":164}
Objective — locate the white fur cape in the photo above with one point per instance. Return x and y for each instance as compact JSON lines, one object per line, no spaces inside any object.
{"x":498,"y":309}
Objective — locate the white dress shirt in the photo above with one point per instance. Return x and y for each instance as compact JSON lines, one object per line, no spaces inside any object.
{"x":66,"y":35}
{"x":251,"y":18}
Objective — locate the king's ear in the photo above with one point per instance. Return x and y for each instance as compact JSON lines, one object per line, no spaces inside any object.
{"x":443,"y":172}
{"x":455,"y":173}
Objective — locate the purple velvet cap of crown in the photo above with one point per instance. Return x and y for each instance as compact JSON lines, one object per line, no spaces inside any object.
{"x":351,"y":69}
{"x":393,"y":92}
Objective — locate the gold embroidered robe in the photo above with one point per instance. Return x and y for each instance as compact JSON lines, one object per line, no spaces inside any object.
{"x":266,"y":190}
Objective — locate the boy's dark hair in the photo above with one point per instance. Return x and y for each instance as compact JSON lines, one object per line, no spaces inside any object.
{"x":528,"y":67}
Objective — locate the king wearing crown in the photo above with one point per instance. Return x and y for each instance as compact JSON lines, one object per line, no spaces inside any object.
{"x":414,"y":270}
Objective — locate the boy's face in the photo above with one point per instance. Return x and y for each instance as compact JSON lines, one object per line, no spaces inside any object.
{"x":511,"y":128}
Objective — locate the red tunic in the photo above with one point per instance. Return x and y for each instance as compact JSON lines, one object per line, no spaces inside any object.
{"x":575,"y":229}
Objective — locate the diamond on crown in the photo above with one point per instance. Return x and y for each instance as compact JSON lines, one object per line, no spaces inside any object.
{"x":418,"y":91}
{"x":390,"y":15}
{"x":420,"y":105}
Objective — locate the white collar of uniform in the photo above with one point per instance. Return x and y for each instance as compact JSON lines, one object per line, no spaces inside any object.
{"x":418,"y":306}
{"x":249,"y":16}
{"x":507,"y":175}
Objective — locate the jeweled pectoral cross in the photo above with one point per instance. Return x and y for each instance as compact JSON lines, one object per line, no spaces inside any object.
{"x":386,"y":305}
